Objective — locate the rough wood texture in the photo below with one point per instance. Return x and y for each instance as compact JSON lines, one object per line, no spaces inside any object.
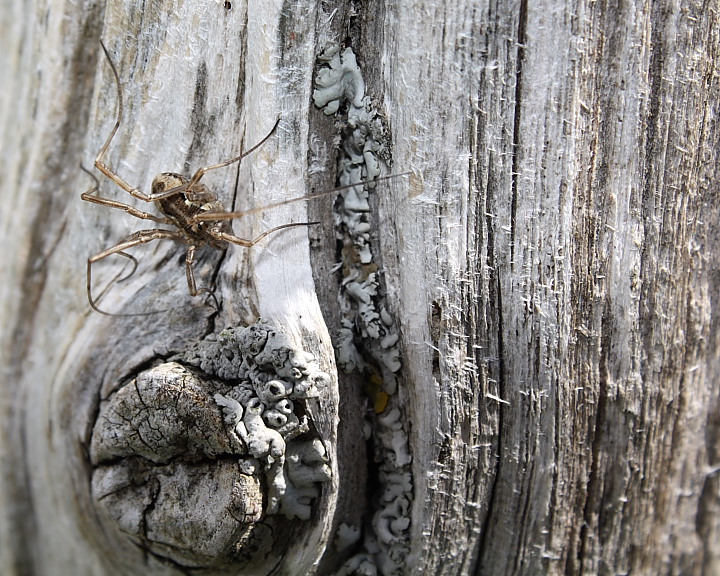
{"x":550,"y":271}
{"x":199,"y":83}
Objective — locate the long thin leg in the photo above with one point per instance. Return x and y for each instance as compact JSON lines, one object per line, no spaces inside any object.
{"x":248,"y":243}
{"x":202,"y":171}
{"x":88,"y":197}
{"x":118,"y":277}
{"x":99,"y":160}
{"x":136,"y":192}
{"x":212,"y":216}
{"x":189,"y":274}
{"x":135,"y":239}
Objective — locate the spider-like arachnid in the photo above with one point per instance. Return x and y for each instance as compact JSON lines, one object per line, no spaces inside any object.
{"x":197,"y":216}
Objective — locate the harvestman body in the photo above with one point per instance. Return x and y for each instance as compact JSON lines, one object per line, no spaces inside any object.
{"x":198,"y":217}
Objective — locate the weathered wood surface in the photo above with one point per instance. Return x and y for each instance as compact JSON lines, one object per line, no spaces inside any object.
{"x":550,"y":267}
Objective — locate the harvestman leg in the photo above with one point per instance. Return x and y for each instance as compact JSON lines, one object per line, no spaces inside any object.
{"x":249,"y":243}
{"x":145,"y":236}
{"x":88,"y":197}
{"x":190,"y":274}
{"x":215,"y":216}
{"x":135,"y":239}
{"x":202,"y":171}
{"x":190,"y":257}
{"x":135,"y":192}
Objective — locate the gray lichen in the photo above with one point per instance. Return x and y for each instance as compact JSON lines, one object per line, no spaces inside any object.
{"x":338,"y":83}
{"x":191,"y":454}
{"x":340,"y":87}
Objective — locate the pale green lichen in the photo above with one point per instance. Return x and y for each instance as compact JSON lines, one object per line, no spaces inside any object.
{"x":219,"y":436}
{"x":365,"y":319}
{"x":339,"y":83}
{"x":259,"y":410}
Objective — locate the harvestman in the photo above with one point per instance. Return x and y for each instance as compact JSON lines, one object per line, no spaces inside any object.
{"x":198,"y":217}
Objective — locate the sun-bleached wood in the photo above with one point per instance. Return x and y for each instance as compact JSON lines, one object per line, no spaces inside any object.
{"x":551,"y":264}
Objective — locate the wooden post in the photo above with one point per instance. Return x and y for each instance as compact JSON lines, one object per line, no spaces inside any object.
{"x":503,"y":362}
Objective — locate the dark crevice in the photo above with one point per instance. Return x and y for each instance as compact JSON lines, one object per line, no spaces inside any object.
{"x":594,"y":487}
{"x":474,"y":314}
{"x":654,"y":142}
{"x":521,"y":37}
{"x":202,"y":125}
{"x":495,"y":295}
{"x":492,"y":498}
{"x":494,"y":304}
{"x":242,"y":46}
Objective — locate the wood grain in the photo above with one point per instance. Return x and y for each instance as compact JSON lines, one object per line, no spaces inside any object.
{"x":551,"y":266}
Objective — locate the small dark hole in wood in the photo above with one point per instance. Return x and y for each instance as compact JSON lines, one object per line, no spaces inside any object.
{"x":228,"y":5}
